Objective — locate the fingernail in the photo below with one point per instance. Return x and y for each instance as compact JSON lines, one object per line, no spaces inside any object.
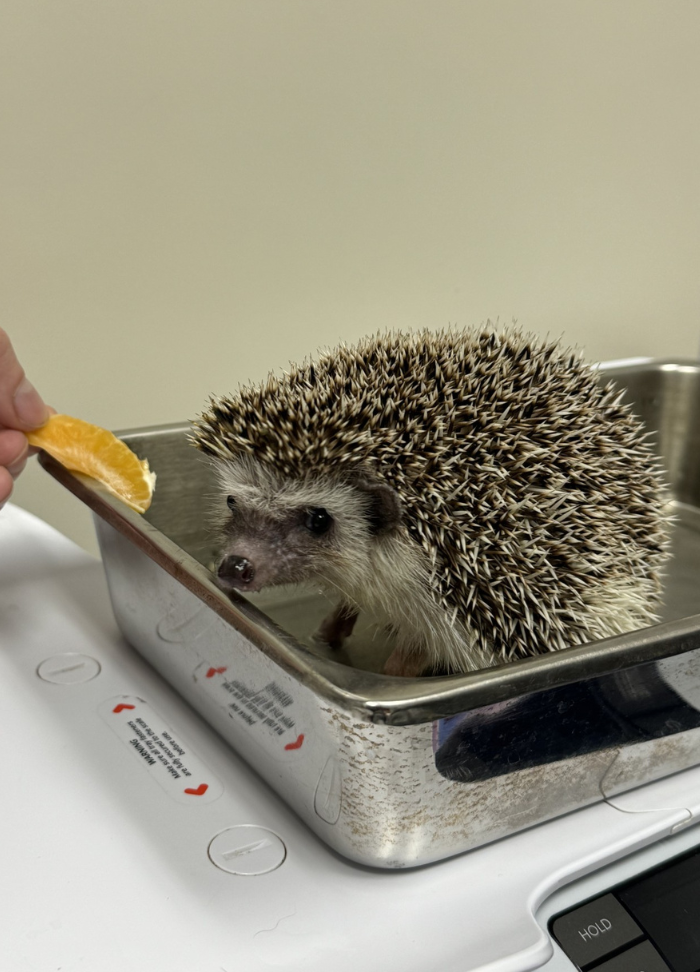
{"x":29,"y":405}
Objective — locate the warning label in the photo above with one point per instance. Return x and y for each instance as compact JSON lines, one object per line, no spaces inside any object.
{"x":152,"y":747}
{"x":166,"y":757}
{"x":270,"y":707}
{"x":266,"y":705}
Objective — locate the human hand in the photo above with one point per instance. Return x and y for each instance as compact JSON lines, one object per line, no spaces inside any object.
{"x":21,"y":409}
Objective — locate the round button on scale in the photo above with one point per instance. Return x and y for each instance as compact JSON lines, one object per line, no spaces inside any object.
{"x":247,"y":850}
{"x":70,"y":668}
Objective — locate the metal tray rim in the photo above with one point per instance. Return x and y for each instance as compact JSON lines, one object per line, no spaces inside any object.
{"x":379,"y":698}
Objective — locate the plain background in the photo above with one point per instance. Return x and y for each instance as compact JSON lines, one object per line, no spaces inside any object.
{"x":195,"y":193}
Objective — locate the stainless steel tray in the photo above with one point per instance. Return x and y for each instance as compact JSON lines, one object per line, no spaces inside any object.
{"x":399,"y":772}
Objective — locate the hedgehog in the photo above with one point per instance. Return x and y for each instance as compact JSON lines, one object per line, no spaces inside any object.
{"x":480,"y":492}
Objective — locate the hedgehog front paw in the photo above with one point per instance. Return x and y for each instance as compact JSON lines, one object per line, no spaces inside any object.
{"x":337,"y":626}
{"x":407,"y":664}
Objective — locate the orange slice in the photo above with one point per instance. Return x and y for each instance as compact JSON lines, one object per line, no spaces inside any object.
{"x":89,"y":449}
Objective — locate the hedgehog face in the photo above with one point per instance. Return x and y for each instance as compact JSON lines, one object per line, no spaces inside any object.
{"x":281,"y":531}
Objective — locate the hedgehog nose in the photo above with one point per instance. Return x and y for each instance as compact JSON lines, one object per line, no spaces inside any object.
{"x":237,"y":571}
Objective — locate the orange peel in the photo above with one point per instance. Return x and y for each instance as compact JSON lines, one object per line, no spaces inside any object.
{"x":89,"y":449}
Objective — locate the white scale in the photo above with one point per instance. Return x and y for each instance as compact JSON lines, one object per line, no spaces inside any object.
{"x":163,"y":851}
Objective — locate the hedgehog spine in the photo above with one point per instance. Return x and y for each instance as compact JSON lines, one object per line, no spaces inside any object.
{"x":532,"y":507}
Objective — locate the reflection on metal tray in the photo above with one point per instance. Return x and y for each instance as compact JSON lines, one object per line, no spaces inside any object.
{"x":398,"y":772}
{"x":614,"y":710}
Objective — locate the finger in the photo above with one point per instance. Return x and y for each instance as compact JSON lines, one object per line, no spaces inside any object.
{"x":14,"y":450}
{"x":33,"y":450}
{"x":6,"y":482}
{"x":50,"y":410}
{"x":17,"y":467}
{"x":21,"y":406}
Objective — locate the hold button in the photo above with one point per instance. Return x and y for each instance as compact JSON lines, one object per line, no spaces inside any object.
{"x":595,"y":930}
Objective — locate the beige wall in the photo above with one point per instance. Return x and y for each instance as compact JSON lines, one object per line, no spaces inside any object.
{"x":196,"y":192}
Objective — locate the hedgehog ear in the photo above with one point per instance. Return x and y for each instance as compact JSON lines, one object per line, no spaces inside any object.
{"x":384,"y":508}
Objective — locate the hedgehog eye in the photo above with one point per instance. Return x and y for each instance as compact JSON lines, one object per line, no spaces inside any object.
{"x":318,"y":521}
{"x":231,"y":502}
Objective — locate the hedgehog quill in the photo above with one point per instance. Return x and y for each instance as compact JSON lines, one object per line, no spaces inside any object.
{"x":480,"y":492}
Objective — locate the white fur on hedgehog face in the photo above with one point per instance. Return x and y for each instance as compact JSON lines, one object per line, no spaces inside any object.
{"x":266,"y":524}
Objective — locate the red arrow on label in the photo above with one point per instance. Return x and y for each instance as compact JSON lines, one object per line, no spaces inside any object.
{"x":201,"y":789}
{"x":297,"y":743}
{"x":122,"y":705}
{"x":216,"y":671}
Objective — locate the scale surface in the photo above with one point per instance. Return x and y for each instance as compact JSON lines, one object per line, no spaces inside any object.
{"x":134,"y":838}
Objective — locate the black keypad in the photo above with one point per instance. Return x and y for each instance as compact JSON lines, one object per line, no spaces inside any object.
{"x":639,"y":958}
{"x":648,"y":924}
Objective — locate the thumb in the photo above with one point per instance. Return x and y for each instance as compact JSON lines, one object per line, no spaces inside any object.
{"x":21,"y":406}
